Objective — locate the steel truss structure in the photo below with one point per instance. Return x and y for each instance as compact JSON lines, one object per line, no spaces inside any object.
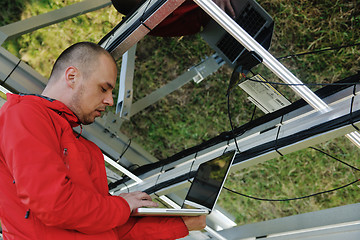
{"x":330,"y":113}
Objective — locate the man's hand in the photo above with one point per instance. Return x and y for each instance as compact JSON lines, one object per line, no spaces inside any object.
{"x":138,"y":199}
{"x":195,"y":223}
{"x":226,"y":6}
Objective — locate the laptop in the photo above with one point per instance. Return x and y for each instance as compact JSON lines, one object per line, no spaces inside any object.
{"x":203,"y":192}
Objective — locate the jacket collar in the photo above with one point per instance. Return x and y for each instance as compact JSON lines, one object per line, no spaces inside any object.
{"x":50,"y":103}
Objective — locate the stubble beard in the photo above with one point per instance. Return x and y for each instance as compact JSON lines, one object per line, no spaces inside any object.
{"x":77,"y":102}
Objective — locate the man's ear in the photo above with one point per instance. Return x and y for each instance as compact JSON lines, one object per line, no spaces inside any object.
{"x":71,"y":75}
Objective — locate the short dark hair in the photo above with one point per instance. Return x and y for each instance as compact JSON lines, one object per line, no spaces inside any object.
{"x":82,"y":55}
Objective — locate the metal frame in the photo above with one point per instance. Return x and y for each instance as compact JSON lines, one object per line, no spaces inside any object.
{"x":314,"y":225}
{"x":22,"y":78}
{"x":125,"y":95}
{"x":31,"y":24}
{"x":290,"y":124}
{"x":197,"y":73}
{"x":138,"y":29}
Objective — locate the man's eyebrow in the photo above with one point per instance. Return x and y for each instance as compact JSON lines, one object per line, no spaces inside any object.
{"x":110,"y":85}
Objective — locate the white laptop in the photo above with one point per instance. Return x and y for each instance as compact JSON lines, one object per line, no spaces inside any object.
{"x":203,"y":192}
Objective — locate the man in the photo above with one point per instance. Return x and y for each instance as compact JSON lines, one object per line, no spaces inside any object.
{"x":53,"y":181}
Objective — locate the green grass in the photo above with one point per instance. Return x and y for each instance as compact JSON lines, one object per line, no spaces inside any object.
{"x":295,"y":175}
{"x":198,"y":112}
{"x":41,"y":48}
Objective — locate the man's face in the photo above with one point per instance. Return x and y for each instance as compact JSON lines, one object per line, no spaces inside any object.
{"x":94,"y":92}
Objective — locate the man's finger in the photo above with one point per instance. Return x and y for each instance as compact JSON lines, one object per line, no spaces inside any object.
{"x":138,"y":199}
{"x":226,"y":6}
{"x":230,"y":8}
{"x":146,"y":203}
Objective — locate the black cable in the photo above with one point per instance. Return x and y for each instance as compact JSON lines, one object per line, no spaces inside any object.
{"x":234,"y":79}
{"x":192,"y":164}
{"x":291,"y":199}
{"x":143,"y":14}
{"x":3,"y":82}
{"x":160,"y":172}
{"x":123,"y":176}
{"x":351,"y":108}
{"x":124,"y":151}
{"x":318,"y":51}
{"x":287,"y":199}
{"x":228,"y":108}
{"x":127,"y":188}
{"x":231,"y":124}
{"x":357,"y":169}
{"x":253,"y":114}
{"x":277,"y":137}
{"x":307,"y":196}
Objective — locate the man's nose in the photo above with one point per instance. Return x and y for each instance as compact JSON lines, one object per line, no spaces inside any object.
{"x":109,"y":99}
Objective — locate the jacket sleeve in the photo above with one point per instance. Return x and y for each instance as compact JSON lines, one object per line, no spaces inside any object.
{"x":31,"y":149}
{"x":153,"y":228}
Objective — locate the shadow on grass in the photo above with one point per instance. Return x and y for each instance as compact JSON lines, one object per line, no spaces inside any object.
{"x":10,"y":11}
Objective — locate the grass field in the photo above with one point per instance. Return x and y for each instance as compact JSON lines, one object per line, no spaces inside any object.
{"x":197,"y":112}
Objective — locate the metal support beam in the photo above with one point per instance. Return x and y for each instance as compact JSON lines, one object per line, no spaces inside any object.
{"x":196,"y":73}
{"x":329,"y":224}
{"x":125,"y":95}
{"x":47,"y":19}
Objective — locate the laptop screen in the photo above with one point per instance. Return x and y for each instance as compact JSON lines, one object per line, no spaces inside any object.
{"x":209,"y":180}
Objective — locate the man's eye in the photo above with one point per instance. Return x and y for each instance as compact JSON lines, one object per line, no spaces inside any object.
{"x":103,"y":89}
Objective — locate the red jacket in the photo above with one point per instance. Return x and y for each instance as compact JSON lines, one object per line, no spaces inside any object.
{"x":53,"y":185}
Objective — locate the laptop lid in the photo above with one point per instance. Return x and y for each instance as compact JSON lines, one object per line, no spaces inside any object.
{"x":208,"y":182}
